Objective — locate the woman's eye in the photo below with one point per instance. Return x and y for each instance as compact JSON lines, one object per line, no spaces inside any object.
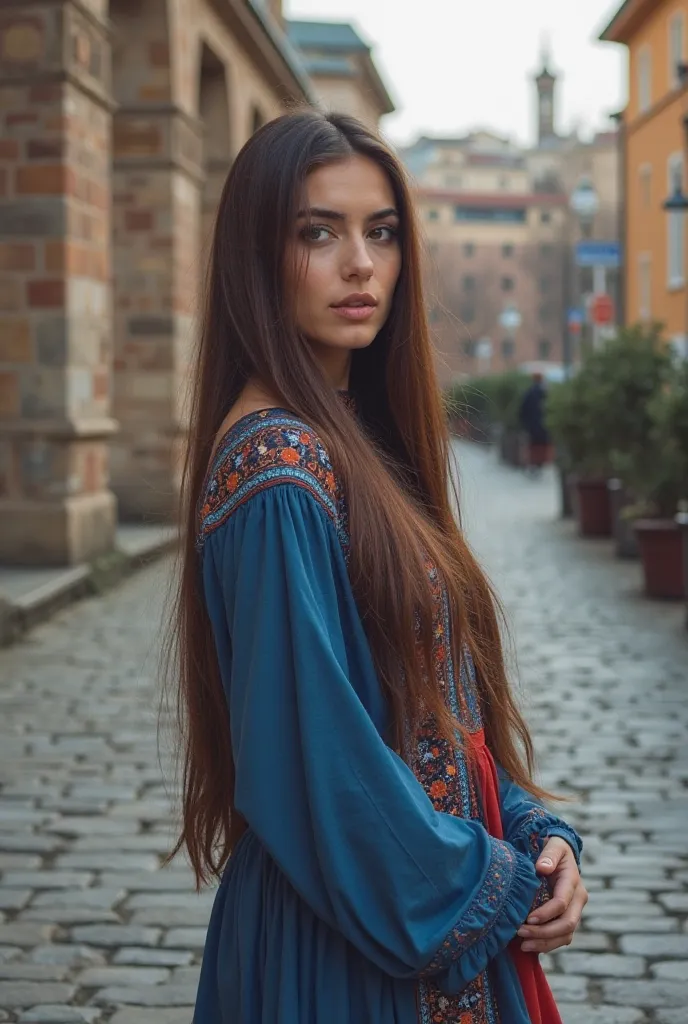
{"x":316,"y":233}
{"x":385,"y":233}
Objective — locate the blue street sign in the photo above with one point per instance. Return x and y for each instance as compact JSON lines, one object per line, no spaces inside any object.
{"x":598,"y":254}
{"x":576,"y":316}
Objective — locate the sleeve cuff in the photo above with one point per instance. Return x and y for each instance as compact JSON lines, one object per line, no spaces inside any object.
{"x":540,"y":826}
{"x":498,"y":910}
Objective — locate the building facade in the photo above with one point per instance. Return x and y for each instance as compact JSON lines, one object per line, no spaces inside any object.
{"x":502,"y":238}
{"x":495,"y":281}
{"x":341,"y":68}
{"x":119,"y":122}
{"x":655,"y":33}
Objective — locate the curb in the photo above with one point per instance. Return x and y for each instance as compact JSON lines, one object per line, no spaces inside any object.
{"x":22,"y":614}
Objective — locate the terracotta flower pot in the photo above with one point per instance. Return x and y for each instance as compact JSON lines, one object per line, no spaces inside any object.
{"x":625,"y":539}
{"x":593,"y":508}
{"x":682,"y":523}
{"x":661,"y":551}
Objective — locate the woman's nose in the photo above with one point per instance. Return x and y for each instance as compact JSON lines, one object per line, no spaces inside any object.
{"x":357,"y":262}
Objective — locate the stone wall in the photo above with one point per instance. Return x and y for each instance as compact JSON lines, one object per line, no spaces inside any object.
{"x":119,"y":121}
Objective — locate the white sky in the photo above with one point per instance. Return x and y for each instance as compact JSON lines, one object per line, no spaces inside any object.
{"x":453,"y":65}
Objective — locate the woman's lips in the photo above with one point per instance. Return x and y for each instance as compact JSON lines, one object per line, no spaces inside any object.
{"x":354,"y":312}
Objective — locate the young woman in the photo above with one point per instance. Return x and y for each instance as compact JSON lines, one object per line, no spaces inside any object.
{"x":350,"y":739}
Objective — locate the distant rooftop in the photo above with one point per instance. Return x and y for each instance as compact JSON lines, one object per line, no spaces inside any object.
{"x":325,"y":35}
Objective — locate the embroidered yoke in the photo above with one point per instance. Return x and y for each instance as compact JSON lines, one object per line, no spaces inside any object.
{"x":368,"y":888}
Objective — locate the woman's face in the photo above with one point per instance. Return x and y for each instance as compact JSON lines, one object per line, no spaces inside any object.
{"x":348,"y":259}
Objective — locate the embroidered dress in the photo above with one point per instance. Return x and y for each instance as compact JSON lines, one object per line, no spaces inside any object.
{"x":368,"y":888}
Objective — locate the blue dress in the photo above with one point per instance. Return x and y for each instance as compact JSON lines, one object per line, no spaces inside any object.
{"x":367,"y":889}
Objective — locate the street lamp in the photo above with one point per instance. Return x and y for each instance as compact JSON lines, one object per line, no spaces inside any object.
{"x":585,"y":203}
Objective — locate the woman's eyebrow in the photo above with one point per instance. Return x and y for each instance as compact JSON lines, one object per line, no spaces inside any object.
{"x":318,"y":211}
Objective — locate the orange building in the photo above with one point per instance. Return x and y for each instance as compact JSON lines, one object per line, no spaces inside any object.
{"x":655,"y":130}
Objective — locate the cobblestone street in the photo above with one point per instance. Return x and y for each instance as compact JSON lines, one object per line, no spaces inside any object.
{"x":91,"y":929}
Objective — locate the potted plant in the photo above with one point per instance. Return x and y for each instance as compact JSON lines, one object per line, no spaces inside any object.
{"x":658,"y":474}
{"x":507,"y":391}
{"x":573,"y":418}
{"x":632,"y":369}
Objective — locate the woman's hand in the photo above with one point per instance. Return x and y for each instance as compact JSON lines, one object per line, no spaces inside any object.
{"x":553,"y":925}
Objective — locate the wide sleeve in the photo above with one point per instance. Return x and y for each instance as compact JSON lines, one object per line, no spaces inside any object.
{"x":415,"y":891}
{"x":528,"y":824}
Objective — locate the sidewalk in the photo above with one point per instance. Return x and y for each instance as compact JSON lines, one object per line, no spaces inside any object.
{"x":29,"y":596}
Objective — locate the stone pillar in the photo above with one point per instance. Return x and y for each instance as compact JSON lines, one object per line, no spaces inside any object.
{"x":55,"y":296}
{"x":157,"y":196}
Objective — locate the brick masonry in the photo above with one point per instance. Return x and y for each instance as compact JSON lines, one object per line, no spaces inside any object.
{"x":118,"y":124}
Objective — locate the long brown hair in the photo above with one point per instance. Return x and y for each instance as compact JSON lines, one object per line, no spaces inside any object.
{"x":393,"y":463}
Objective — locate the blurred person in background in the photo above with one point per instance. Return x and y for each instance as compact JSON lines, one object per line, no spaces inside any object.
{"x":353,"y":766}
{"x":532,"y":418}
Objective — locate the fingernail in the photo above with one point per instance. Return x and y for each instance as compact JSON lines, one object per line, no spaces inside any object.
{"x":546,"y":862}
{"x":533,"y":920}
{"x":528,"y":947}
{"x":524,"y":933}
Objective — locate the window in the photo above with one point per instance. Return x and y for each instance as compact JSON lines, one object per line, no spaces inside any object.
{"x":433,"y":214}
{"x":491,"y":214}
{"x":507,"y":251}
{"x":546,"y":250}
{"x":646,"y":185}
{"x":645,"y":286}
{"x":676,"y":36}
{"x":644,"y":79}
{"x":544,"y":348}
{"x":468,"y":283}
{"x":676,"y":226}
{"x":469,"y":249}
{"x":545,"y":284}
{"x":546,"y":312}
{"x":469,"y":347}
{"x":434,"y":315}
{"x":545,"y":217}
{"x":508,"y":348}
{"x":507,"y":284}
{"x":467,"y":313}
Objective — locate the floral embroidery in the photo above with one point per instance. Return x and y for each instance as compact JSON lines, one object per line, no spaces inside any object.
{"x":487,"y":903}
{"x":476,"y":999}
{"x":262,"y":450}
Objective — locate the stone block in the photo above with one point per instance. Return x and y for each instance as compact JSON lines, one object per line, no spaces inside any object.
{"x":9,"y":395}
{"x":656,"y":946}
{"x":646,"y":994}
{"x":116,"y":935}
{"x":145,"y":326}
{"x":11,"y":294}
{"x":76,"y":529}
{"x":17,"y":256}
{"x":15,"y":340}
{"x":35,"y":217}
{"x":152,"y":957}
{"x":66,"y":954}
{"x":51,"y":341}
{"x":16,"y":995}
{"x":152,"y":995}
{"x":44,"y":180}
{"x":133,"y":977}
{"x":61,"y":1014}
{"x":49,"y":293}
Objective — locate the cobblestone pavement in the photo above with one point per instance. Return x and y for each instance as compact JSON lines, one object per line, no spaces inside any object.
{"x":91,"y":929}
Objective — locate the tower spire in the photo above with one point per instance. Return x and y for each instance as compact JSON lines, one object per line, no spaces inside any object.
{"x":546,"y":82}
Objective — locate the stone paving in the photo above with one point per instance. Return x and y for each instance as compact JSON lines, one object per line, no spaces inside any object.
{"x":92,"y":929}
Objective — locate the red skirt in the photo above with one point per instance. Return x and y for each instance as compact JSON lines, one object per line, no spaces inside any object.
{"x":538,"y":996}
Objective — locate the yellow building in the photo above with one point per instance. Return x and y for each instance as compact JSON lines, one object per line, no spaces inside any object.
{"x":655,"y":145}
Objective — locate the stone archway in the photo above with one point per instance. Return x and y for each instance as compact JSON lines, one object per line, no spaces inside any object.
{"x":213,"y":105}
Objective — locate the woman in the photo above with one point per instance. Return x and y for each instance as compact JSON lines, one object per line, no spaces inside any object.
{"x":342,"y":680}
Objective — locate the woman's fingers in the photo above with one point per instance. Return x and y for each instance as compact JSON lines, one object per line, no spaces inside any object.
{"x":544,"y":938}
{"x":566,"y":879}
